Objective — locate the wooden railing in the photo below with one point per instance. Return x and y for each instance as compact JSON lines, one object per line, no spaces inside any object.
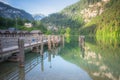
{"x":11,"y":43}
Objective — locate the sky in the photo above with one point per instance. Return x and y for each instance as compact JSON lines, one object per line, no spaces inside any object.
{"x":45,"y":7}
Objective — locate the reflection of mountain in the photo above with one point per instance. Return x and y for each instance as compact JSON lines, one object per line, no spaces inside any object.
{"x":101,"y":62}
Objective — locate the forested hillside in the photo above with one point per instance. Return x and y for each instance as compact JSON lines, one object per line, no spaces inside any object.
{"x":11,"y":17}
{"x":107,"y":23}
{"x":70,"y":16}
{"x":88,"y":17}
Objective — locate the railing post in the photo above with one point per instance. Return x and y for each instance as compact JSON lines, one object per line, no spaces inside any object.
{"x":0,"y":45}
{"x":21,"y":52}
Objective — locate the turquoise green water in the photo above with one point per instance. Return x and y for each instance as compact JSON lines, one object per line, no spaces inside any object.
{"x":71,"y":61}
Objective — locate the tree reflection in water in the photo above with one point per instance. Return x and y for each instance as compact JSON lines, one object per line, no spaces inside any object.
{"x":101,"y":61}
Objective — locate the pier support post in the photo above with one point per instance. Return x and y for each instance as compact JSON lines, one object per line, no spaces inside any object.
{"x":63,"y":40}
{"x":56,"y":40}
{"x":53,"y":41}
{"x":49,"y":42}
{"x":21,"y":52}
{"x":41,"y":46}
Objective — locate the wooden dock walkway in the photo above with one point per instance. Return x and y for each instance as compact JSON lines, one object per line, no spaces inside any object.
{"x":17,"y":42}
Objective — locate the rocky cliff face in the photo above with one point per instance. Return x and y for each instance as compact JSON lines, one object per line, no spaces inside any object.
{"x":93,"y":10}
{"x":7,"y":11}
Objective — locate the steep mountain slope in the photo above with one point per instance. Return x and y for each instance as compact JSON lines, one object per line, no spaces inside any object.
{"x":88,"y":17}
{"x":7,"y":11}
{"x":108,"y":23}
{"x":75,"y":16}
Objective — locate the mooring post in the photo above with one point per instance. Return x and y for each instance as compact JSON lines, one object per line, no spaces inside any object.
{"x":21,"y":52}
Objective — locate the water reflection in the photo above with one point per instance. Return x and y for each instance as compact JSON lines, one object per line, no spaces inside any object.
{"x":22,"y":73}
{"x":42,"y":63}
{"x":105,"y":58}
{"x":14,"y":72}
{"x":72,"y":62}
{"x":82,"y":45}
{"x":47,"y":66}
{"x":101,"y":61}
{"x":56,"y":68}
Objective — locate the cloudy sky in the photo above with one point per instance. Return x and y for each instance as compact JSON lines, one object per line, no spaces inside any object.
{"x":40,"y":6}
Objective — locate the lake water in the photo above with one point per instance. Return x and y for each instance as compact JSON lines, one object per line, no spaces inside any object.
{"x":70,"y":61}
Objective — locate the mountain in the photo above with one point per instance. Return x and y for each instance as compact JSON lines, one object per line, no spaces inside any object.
{"x":7,"y":11}
{"x":97,"y":17}
{"x":71,"y":16}
{"x":38,"y":16}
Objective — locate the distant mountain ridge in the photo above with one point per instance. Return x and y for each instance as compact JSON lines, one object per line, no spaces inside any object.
{"x":7,"y":11}
{"x":38,"y":16}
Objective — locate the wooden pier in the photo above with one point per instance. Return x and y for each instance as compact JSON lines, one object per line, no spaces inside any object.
{"x":18,"y":41}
